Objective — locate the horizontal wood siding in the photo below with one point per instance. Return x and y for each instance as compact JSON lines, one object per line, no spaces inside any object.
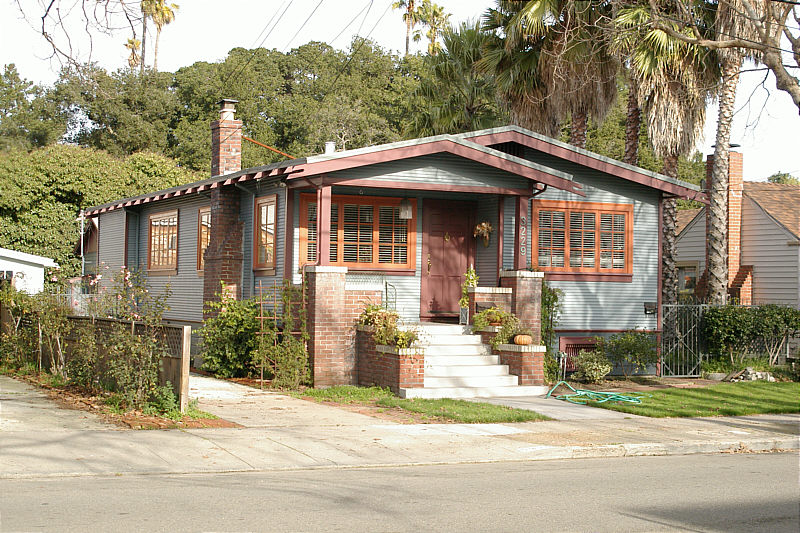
{"x":486,"y":256}
{"x":691,"y":245}
{"x":186,"y":299}
{"x":440,"y":169}
{"x":110,"y":245}
{"x":775,"y":263}
{"x":606,"y":305}
{"x":250,"y":281}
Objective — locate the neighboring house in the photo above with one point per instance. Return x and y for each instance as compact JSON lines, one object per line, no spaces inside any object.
{"x":400,"y":217}
{"x":763,"y":242}
{"x":24,"y":271}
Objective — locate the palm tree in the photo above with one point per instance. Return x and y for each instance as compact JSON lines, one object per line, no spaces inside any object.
{"x":410,"y":17}
{"x":147,"y":10}
{"x":133,"y":58}
{"x":457,"y":97}
{"x":162,"y":15}
{"x":729,"y":20}
{"x":674,"y":81}
{"x":435,"y":18}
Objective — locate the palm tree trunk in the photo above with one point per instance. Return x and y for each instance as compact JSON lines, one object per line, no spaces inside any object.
{"x":144,"y":41}
{"x":669,"y":272}
{"x":718,"y":209}
{"x":577,"y":134}
{"x":408,"y":33}
{"x":155,"y":50}
{"x":633,"y":121}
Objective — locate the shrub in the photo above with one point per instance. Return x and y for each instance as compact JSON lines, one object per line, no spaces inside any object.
{"x":133,"y":362}
{"x":591,"y":366}
{"x":290,"y":363}
{"x":631,"y":350}
{"x":230,"y":337}
{"x":551,"y":370}
{"x":509,"y":325}
{"x":84,"y":367}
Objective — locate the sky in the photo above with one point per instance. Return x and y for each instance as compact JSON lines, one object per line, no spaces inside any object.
{"x":766,"y":124}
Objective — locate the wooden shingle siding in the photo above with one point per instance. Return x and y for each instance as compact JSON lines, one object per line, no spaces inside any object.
{"x":249,"y":280}
{"x":441,"y":169}
{"x":110,"y":244}
{"x":775,"y":263}
{"x":186,"y":300}
{"x":691,"y":245}
{"x":509,"y":229}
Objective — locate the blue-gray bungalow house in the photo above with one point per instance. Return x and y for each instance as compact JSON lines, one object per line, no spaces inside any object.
{"x":401,"y":218}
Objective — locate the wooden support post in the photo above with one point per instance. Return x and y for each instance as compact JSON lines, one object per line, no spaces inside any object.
{"x":324,"y":225}
{"x":186,"y":353}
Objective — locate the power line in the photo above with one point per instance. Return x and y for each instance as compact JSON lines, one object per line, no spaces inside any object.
{"x":350,"y":59}
{"x":367,"y":5}
{"x":303,"y":25}
{"x":267,"y":25}
{"x":238,"y":71}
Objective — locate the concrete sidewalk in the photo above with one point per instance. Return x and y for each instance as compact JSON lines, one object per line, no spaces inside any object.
{"x":287,"y":433}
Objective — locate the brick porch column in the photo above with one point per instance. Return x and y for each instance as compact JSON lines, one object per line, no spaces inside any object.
{"x":526,"y":298}
{"x":332,"y":360}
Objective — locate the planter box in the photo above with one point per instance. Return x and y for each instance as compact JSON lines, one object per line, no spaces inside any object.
{"x":388,"y":366}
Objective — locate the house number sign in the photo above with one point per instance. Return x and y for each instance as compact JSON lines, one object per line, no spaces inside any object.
{"x":523,"y":236}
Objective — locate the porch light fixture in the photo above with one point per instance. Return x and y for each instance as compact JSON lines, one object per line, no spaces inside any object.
{"x":405,"y":209}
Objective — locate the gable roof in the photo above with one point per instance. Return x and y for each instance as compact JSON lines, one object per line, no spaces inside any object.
{"x":22,"y":257}
{"x":473,"y":146}
{"x":779,"y":201}
{"x":685,"y":216}
{"x":586,"y":158}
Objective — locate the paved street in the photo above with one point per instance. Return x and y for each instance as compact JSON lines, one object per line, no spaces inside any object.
{"x":735,"y":492}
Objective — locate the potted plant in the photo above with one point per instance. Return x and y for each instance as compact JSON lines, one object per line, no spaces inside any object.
{"x":483,"y":230}
{"x":470,"y":280}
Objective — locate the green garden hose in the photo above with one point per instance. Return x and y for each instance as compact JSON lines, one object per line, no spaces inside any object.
{"x":584,"y":396}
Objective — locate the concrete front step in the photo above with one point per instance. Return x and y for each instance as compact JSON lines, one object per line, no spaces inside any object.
{"x":429,"y":328}
{"x":460,"y":360}
{"x":474,"y":392}
{"x":471,"y":381}
{"x":464,"y":349}
{"x":450,"y":371}
{"x":449,"y":340}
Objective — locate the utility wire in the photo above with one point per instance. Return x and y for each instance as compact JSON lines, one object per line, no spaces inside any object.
{"x":238,"y":71}
{"x":303,"y":25}
{"x":367,"y":5}
{"x":350,"y":59}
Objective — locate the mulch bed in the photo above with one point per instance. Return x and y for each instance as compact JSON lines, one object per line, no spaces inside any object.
{"x":70,"y":397}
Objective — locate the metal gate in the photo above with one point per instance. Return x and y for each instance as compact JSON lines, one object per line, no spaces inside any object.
{"x":682,"y":345}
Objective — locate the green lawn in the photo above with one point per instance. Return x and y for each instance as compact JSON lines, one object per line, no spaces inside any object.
{"x":725,"y":399}
{"x":452,"y":410}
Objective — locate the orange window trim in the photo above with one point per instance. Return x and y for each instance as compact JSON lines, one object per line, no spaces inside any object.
{"x":164,"y":262}
{"x":375,"y":202}
{"x":272,"y":200}
{"x":586,"y":207}
{"x":202,"y":244}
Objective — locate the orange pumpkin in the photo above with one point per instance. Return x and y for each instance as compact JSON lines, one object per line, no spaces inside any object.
{"x":523,"y":340}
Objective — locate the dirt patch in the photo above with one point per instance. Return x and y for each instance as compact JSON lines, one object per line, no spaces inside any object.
{"x":76,"y":398}
{"x":644,"y":384}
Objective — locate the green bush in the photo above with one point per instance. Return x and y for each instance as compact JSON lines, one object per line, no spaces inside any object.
{"x":230,"y":337}
{"x":591,"y":366}
{"x":631,"y":350}
{"x":84,"y":366}
{"x":386,"y":324}
{"x":133,"y":362}
{"x":551,"y":370}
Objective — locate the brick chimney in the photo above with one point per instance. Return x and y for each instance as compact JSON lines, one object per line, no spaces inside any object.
{"x":226,"y":140}
{"x":739,"y":277}
{"x":224,"y":255}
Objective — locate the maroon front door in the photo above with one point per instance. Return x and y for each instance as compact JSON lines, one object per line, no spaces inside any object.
{"x":446,"y":253}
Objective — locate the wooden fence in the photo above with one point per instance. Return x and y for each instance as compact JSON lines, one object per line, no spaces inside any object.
{"x":173,"y":368}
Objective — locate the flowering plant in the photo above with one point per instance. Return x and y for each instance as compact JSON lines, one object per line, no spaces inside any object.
{"x":483,"y":230}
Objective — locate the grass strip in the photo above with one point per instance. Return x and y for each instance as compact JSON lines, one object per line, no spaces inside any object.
{"x":462,"y":411}
{"x":725,"y":399}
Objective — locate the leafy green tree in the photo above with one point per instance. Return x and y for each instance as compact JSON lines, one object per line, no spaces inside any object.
{"x":784,"y":178}
{"x":435,"y":18}
{"x":456,"y":97}
{"x":120,"y":113}
{"x":27,"y":117}
{"x":42,"y":192}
